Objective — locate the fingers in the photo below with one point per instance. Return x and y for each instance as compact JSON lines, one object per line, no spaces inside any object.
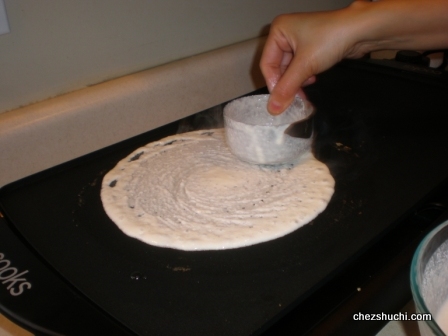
{"x":309,"y":81}
{"x":275,"y":59}
{"x":284,"y":70}
{"x":300,"y":46}
{"x":288,"y":85}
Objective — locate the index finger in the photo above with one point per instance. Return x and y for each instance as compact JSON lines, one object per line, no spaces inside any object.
{"x":283,"y":93}
{"x":276,"y":56}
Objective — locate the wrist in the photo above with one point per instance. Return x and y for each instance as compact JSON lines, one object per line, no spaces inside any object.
{"x":398,"y":24}
{"x":365,"y":29}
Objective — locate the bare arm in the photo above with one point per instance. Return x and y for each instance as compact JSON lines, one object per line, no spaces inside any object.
{"x":302,"y":45}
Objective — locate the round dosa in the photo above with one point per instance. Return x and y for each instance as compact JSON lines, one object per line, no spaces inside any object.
{"x":189,"y":192}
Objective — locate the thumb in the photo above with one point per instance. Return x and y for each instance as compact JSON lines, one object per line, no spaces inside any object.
{"x":283,"y":93}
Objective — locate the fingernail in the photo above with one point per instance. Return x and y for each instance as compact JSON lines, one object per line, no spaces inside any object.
{"x":274,"y":107}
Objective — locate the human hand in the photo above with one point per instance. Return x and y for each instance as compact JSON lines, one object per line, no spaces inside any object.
{"x":301,"y":45}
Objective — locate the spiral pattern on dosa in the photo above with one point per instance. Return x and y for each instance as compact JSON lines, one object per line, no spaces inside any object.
{"x":189,"y":192}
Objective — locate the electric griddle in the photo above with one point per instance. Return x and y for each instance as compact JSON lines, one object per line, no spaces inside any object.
{"x":382,"y":129}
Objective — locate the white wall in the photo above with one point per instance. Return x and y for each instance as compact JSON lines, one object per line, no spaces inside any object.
{"x":57,"y":46}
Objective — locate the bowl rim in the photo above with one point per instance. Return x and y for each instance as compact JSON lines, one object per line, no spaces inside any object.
{"x":307,"y":107}
{"x":415,"y":287}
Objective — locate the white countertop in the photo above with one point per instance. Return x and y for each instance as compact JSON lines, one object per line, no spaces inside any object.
{"x":57,"y":130}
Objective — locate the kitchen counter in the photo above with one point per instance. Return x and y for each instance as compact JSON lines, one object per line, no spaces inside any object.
{"x":45,"y":134}
{"x":8,"y":328}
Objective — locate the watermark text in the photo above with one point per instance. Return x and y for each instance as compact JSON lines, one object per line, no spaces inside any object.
{"x":392,"y":317}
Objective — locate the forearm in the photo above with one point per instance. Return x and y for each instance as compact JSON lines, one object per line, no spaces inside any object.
{"x":399,"y":24}
{"x":301,"y":45}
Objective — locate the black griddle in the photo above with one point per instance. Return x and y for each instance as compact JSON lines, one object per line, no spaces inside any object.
{"x":382,"y":131}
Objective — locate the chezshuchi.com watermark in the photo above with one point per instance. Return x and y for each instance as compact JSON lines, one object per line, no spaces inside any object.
{"x":392,"y":317}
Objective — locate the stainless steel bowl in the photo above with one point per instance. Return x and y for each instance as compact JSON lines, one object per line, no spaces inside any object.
{"x":256,"y":136}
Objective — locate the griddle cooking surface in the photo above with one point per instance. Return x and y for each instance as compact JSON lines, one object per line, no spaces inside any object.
{"x":384,"y":139}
